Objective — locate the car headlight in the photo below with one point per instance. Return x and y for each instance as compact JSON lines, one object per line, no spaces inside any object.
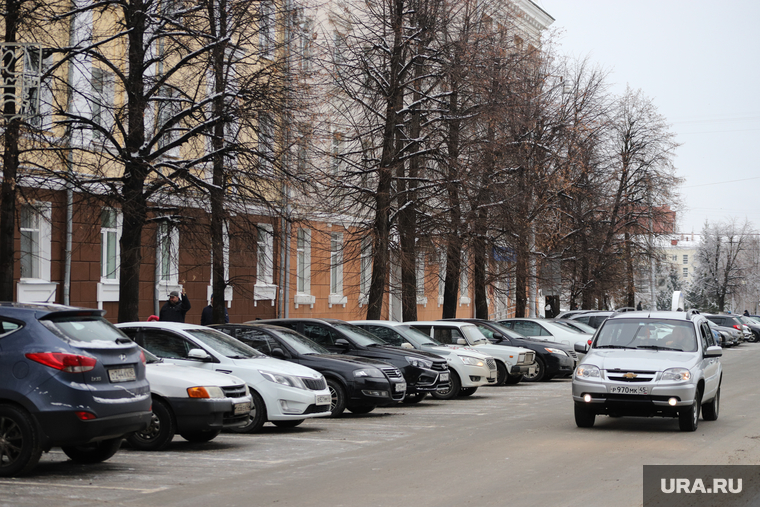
{"x":556,"y":351}
{"x":676,"y":374}
{"x":205,"y":392}
{"x":472,"y":361}
{"x":588,"y":371}
{"x":286,"y":380}
{"x":369,"y":372}
{"x":418,"y":362}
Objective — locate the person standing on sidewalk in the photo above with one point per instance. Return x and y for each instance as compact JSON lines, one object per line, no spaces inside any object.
{"x":175,"y":309}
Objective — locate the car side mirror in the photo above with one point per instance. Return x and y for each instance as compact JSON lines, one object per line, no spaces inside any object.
{"x":581,"y":347}
{"x":342,"y":342}
{"x":407,"y":345}
{"x":713,"y":351}
{"x":461,"y":341}
{"x":199,"y":354}
{"x":498,"y":337}
{"x":279,"y":353}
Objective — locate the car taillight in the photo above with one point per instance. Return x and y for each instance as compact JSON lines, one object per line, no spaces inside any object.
{"x":142,"y":357}
{"x":70,"y":363}
{"x":736,"y":326}
{"x":85,"y":416}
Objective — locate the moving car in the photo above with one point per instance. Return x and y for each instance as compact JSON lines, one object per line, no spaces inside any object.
{"x":663,"y":364}
{"x":424,"y":372}
{"x":68,"y":379}
{"x":356,"y":383}
{"x":282,"y":393}
{"x":468,"y":368}
{"x":546,"y":330}
{"x":196,"y":404}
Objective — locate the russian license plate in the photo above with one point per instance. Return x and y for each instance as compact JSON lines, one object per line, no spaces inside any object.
{"x":628,"y":390}
{"x":444,"y":377}
{"x":242,"y":408}
{"x":323,"y":399}
{"x":122,"y":374}
{"x":400,"y":387}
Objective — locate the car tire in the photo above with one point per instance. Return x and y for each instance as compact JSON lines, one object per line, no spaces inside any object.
{"x":337,"y":397}
{"x":538,"y":376}
{"x":501,"y":373}
{"x":94,"y":452}
{"x":584,"y":418}
{"x":688,"y":417}
{"x":467,"y":391}
{"x":411,"y":399}
{"x":159,"y":434}
{"x":200,"y":437}
{"x":514,"y":379}
{"x":20,"y":450}
{"x":710,"y":410}
{"x":288,"y":424}
{"x":257,"y":418}
{"x":455,"y":385}
{"x":361,"y":409}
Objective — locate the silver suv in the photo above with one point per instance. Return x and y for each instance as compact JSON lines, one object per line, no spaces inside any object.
{"x":663,"y":364}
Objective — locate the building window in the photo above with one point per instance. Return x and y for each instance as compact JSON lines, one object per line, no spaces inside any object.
{"x":266,"y":144}
{"x":420,"y":274}
{"x":102,"y":101}
{"x":169,"y":107}
{"x":40,"y":96}
{"x":265,"y":254}
{"x":168,"y":251}
{"x":336,"y":263}
{"x":266,"y":29}
{"x":674,"y":258}
{"x":110,"y":233}
{"x":464,"y":280}
{"x":303,"y":261}
{"x":686,"y":272}
{"x":685,"y":259}
{"x":365,"y":276}
{"x":35,"y":241}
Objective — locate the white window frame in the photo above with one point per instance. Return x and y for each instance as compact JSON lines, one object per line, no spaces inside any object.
{"x":168,"y":253}
{"x":441,"y":275}
{"x":39,"y":287}
{"x":464,"y":280}
{"x":419,"y":268}
{"x":108,"y":287}
{"x":686,"y":272}
{"x":336,"y":296}
{"x":266,"y":144}
{"x":167,"y":108}
{"x":41,"y":97}
{"x":365,"y":271}
{"x":303,"y":294}
{"x":686,"y":259}
{"x":264,"y":288}
{"x":102,"y":100}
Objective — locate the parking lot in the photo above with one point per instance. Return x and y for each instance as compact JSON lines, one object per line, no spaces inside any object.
{"x":513,"y":444}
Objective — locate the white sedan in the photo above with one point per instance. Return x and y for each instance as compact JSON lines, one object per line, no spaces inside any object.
{"x":546,"y":330}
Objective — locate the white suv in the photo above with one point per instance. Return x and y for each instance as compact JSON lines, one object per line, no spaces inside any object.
{"x":649,"y":364}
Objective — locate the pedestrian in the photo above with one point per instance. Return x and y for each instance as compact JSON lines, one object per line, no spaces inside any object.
{"x":207,"y":315}
{"x":638,"y":307}
{"x":746,"y":313}
{"x":175,"y":309}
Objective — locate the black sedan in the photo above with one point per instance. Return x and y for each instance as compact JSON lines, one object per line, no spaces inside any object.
{"x":424,"y":372}
{"x":355,"y":383}
{"x":552,"y":359}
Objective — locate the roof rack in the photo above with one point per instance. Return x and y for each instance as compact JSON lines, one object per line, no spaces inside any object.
{"x":691,"y":312}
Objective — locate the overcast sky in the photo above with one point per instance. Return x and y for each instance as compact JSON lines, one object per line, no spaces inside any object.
{"x":698,"y":61}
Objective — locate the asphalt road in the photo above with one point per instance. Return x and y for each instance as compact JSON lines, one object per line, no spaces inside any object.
{"x":512,"y":445}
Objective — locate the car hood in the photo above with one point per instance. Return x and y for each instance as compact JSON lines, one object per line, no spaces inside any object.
{"x":645,"y":360}
{"x":410,"y":352}
{"x":173,"y":380}
{"x":458,"y":351}
{"x":505,"y":352}
{"x":272,"y":365}
{"x":360,"y":362}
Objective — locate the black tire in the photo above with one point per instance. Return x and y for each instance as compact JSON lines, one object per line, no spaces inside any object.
{"x":711,"y":409}
{"x":467,"y":391}
{"x":584,"y":418}
{"x":257,"y":418}
{"x":501,"y":373}
{"x":200,"y":437}
{"x":514,"y":379}
{"x":455,"y":385}
{"x":688,"y":417}
{"x":159,"y":434}
{"x":288,"y":424}
{"x":337,"y":397}
{"x":411,"y":399}
{"x":361,"y":409}
{"x":94,"y":452}
{"x":20,"y":448}
{"x":539,"y":374}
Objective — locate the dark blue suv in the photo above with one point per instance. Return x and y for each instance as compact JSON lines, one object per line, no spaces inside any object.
{"x":68,"y":378}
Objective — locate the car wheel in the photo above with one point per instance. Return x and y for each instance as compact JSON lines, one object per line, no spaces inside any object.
{"x":688,"y":417}
{"x":584,"y":418}
{"x":20,"y":448}
{"x":257,"y":418}
{"x":710,"y":411}
{"x":501,"y":373}
{"x":199,"y":437}
{"x":514,"y":379}
{"x":414,"y":398}
{"x":539,"y":372}
{"x":455,"y":385}
{"x":288,"y":424}
{"x":337,"y":397}
{"x":467,"y":391}
{"x":94,"y":452}
{"x":159,"y":434}
{"x":361,"y":409}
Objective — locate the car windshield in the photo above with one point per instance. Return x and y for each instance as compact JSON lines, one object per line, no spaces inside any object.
{"x":360,"y":336}
{"x":417,"y":337}
{"x":299,"y":342}
{"x":507,"y":332}
{"x":224,"y":344}
{"x":647,"y":334}
{"x":473,"y":335}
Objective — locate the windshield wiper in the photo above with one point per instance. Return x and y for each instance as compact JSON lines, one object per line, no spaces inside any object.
{"x":613,"y":347}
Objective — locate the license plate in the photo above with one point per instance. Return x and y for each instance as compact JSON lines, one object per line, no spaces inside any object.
{"x":323,"y":399}
{"x":444,"y":377}
{"x":628,"y":390}
{"x":400,"y":387}
{"x":122,"y":374}
{"x":242,"y":408}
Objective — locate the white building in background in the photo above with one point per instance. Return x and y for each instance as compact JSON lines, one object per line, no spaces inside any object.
{"x":681,"y":252}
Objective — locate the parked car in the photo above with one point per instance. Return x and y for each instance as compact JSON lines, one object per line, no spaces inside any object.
{"x":567,"y":313}
{"x":552,"y":359}
{"x":732,"y":321}
{"x":753,"y":326}
{"x":593,"y":319}
{"x":546,"y":330}
{"x":663,"y":364}
{"x":196,"y":404}
{"x":356,"y":383}
{"x":729,"y":336}
{"x":575,"y":325}
{"x":282,"y":393}
{"x":424,"y":372}
{"x":468,"y":369}
{"x":511,"y":362}
{"x":68,"y":379}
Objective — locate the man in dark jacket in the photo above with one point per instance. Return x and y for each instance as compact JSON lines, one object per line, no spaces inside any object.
{"x":175,"y":309}
{"x":207,"y":316}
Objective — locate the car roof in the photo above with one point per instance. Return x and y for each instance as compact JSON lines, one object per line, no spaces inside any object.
{"x":660,"y":314}
{"x":175,"y":326}
{"x":11,"y":309}
{"x":440,"y":323}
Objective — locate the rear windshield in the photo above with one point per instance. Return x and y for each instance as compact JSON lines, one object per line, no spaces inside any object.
{"x":89,"y":329}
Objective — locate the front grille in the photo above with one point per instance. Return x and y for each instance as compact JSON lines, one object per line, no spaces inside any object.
{"x":572,"y":354}
{"x":635,"y":376}
{"x":491,"y":362}
{"x":234,"y":391}
{"x":439,"y":366}
{"x":315,"y":384}
{"x":391,"y":372}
